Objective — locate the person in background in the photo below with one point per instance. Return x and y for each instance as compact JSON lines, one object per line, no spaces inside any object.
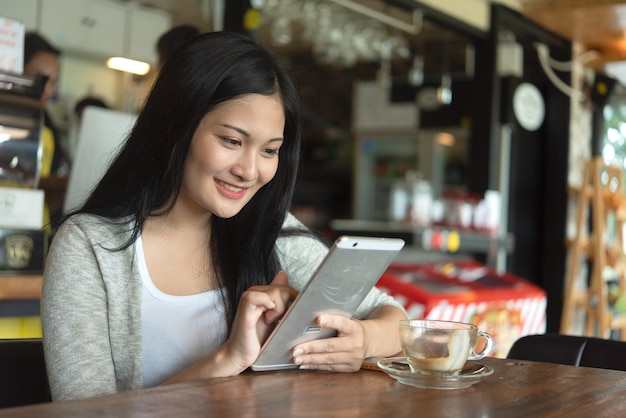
{"x":185,"y":254}
{"x":173,"y":39}
{"x":41,"y":58}
{"x":80,"y":106}
{"x":79,"y":109}
{"x":166,"y":45}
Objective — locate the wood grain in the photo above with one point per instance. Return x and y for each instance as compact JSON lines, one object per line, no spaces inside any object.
{"x":597,"y":25}
{"x":516,"y":389}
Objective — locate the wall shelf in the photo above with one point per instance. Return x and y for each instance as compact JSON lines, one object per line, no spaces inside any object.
{"x":437,"y":238}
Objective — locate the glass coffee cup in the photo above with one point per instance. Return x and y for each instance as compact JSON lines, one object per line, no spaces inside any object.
{"x":441,"y":348}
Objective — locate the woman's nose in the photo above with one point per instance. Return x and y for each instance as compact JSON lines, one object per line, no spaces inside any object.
{"x":245,"y":167}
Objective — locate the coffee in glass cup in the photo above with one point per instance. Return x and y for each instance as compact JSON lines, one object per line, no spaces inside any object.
{"x":441,"y":348}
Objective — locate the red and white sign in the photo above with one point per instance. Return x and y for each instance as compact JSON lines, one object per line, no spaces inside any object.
{"x":506,"y":306}
{"x":11,"y":45}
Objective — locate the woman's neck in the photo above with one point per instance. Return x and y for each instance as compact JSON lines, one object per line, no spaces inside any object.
{"x":183,"y":219}
{"x":177,"y":253}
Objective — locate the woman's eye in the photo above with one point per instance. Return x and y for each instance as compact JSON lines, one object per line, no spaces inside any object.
{"x":271,"y":151}
{"x":231,"y":141}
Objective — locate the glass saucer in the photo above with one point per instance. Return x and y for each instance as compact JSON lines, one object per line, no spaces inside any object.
{"x":398,"y":368}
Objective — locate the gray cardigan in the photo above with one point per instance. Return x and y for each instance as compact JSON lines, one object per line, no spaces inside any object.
{"x":91,"y":305}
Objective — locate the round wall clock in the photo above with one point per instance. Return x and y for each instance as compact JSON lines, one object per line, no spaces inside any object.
{"x":528,"y":106}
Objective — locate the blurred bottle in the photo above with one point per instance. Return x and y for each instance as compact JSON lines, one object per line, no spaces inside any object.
{"x":422,"y":202}
{"x":400,"y":198}
{"x":487,"y":212}
{"x":493,"y":199}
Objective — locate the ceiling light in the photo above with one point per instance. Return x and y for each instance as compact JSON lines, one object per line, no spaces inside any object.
{"x":444,"y":92}
{"x":444,"y":138}
{"x":128,"y":65}
{"x":416,"y":72}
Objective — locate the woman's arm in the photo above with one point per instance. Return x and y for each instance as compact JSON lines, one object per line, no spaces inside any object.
{"x":381,"y":332}
{"x":75,"y":319}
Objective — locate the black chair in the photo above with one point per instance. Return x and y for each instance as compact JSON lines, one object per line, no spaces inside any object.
{"x":23,"y":375}
{"x":571,"y":350}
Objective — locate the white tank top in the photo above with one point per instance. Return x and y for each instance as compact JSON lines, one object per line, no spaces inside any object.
{"x":176,"y":330}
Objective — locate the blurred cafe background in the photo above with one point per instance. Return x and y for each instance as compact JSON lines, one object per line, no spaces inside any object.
{"x":490,"y":135}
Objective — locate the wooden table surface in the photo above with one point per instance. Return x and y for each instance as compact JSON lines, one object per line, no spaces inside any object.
{"x":515,"y":389}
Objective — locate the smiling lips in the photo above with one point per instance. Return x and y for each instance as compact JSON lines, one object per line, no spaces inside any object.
{"x":230,"y":191}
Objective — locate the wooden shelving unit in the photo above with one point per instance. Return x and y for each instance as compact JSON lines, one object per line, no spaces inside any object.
{"x":20,"y":287}
{"x":600,"y":216}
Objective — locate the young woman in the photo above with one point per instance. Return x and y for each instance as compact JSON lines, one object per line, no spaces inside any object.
{"x":184,"y":255}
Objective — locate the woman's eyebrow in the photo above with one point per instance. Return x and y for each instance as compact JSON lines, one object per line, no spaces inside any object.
{"x":247,"y":135}
{"x":241,"y":131}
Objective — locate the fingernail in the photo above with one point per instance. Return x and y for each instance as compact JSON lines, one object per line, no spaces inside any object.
{"x":322,"y":321}
{"x":298,"y":352}
{"x":305,"y":367}
{"x":298,"y":360}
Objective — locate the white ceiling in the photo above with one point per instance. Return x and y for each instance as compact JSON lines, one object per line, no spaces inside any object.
{"x":194,"y":12}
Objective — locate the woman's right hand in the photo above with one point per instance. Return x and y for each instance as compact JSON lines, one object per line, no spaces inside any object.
{"x":259,"y":309}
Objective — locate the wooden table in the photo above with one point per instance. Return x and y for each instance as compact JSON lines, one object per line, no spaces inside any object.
{"x":516,"y":389}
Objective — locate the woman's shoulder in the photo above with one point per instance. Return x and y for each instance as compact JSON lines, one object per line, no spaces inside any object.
{"x":296,"y":233}
{"x":96,"y":228}
{"x":292,"y":222}
{"x":298,"y":241}
{"x":87,"y":220}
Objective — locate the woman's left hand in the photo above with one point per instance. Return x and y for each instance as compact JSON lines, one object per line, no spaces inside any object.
{"x":343,"y":353}
{"x":355,"y":341}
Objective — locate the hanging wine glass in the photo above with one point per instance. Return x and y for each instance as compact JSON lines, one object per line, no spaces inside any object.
{"x":444,"y":92}
{"x":416,"y":72}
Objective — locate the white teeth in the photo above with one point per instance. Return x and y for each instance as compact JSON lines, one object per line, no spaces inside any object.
{"x":229,"y":187}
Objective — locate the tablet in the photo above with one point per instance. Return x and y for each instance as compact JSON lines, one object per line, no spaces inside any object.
{"x":338,"y":286}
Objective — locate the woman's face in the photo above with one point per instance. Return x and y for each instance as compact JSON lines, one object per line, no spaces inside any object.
{"x":233,"y":153}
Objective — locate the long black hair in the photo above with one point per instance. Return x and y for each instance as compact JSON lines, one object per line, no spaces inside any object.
{"x":145,"y":177}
